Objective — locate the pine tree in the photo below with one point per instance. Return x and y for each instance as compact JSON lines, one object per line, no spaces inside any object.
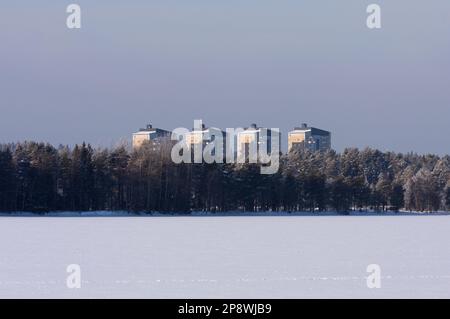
{"x":447,"y":196}
{"x":7,"y":180}
{"x":383,"y":189}
{"x":396,"y":198}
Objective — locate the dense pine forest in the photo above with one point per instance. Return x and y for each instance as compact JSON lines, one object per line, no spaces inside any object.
{"x":39,"y":177}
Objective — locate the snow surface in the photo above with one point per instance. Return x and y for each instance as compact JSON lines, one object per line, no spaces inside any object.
{"x":225,"y":257}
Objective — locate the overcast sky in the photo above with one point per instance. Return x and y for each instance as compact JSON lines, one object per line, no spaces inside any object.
{"x":231,"y":63}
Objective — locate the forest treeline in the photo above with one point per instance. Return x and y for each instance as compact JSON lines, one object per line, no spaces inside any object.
{"x":39,"y":177}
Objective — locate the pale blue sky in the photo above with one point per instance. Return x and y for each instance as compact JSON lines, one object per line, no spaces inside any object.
{"x":230,"y":63}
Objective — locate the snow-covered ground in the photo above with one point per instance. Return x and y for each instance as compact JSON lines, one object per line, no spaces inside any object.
{"x":220,"y":257}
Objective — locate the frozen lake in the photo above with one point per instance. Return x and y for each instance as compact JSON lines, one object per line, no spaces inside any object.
{"x":221,"y":257}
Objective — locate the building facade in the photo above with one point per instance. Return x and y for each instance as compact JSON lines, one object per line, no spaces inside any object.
{"x":149,"y":134}
{"x":204,"y":136}
{"x":309,"y":138}
{"x":252,"y":139}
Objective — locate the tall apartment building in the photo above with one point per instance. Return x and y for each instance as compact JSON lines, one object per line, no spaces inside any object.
{"x":149,"y":134}
{"x":252,"y":137}
{"x":204,"y":136}
{"x":309,"y":138}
